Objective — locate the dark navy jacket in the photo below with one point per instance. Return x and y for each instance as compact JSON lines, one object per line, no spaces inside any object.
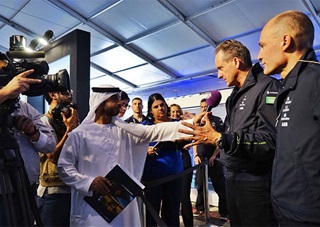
{"x":249,"y":139}
{"x":167,"y":162}
{"x":296,"y":169}
{"x":133,"y":120}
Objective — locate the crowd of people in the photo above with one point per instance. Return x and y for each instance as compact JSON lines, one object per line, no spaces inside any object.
{"x":267,"y":143}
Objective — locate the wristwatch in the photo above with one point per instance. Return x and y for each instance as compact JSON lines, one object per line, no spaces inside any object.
{"x":219,"y":142}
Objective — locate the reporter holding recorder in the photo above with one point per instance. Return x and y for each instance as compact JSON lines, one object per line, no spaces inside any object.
{"x":249,"y":140}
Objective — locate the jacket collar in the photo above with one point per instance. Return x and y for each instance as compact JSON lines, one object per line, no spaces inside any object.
{"x":291,"y":79}
{"x":252,"y":77}
{"x":290,"y":82}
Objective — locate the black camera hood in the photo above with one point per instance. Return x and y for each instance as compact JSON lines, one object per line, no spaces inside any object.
{"x":52,"y":82}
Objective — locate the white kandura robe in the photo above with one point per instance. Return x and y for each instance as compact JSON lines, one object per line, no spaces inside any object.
{"x":92,"y":150}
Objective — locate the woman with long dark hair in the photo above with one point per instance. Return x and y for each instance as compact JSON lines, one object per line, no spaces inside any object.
{"x":162,"y":161}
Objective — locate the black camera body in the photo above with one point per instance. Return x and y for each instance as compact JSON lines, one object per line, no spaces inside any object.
{"x":62,"y":107}
{"x":49,"y":82}
{"x":15,"y":61}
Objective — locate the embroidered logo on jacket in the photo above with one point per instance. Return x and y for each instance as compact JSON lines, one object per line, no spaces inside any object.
{"x":243,"y":104}
{"x":285,"y":112}
{"x":271,"y":97}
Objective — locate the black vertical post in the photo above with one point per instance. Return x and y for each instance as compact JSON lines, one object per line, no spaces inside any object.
{"x":80,"y":71}
{"x":77,"y":45}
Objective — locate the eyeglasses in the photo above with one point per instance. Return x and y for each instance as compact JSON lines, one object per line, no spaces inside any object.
{"x":127,"y":106}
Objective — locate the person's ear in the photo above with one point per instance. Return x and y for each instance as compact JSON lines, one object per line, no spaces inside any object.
{"x":52,"y":95}
{"x":236,"y":62}
{"x":287,"y":41}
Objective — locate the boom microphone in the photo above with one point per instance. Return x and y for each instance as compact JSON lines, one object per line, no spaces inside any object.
{"x":25,"y":54}
{"x":213,"y":100}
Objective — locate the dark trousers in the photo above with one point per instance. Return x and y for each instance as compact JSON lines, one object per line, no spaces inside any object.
{"x":55,"y":209}
{"x":186,"y":206}
{"x":249,"y":203}
{"x":168,"y":196}
{"x":216,"y":174}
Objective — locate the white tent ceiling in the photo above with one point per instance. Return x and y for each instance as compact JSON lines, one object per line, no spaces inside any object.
{"x":147,"y":46}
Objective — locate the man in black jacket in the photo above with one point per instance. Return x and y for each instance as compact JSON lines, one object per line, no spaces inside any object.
{"x":286,"y":48}
{"x":249,"y":139}
{"x":137,"y":116}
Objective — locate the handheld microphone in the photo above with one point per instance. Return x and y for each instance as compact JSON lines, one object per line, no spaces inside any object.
{"x":213,"y":100}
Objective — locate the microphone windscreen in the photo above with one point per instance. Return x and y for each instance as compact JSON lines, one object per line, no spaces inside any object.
{"x":214,"y":99}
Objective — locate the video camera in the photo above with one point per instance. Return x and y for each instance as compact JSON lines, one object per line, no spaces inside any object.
{"x":13,"y":173}
{"x":14,"y":62}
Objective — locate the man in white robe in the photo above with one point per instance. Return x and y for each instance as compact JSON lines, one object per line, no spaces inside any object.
{"x":96,"y":146}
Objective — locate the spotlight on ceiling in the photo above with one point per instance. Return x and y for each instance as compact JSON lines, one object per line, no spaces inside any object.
{"x":32,"y":46}
{"x":44,"y":40}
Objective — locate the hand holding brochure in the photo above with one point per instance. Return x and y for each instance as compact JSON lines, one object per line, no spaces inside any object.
{"x":125,"y":187}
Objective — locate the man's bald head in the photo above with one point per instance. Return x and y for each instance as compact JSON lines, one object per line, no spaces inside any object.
{"x":283,"y":40}
{"x":296,"y":24}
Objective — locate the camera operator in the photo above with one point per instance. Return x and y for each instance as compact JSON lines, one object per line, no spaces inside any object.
{"x":31,"y":134}
{"x":54,"y":196}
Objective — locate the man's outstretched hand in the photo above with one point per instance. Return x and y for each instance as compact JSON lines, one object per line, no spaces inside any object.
{"x":200,"y":134}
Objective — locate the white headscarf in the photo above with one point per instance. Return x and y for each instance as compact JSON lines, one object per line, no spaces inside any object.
{"x":96,"y":98}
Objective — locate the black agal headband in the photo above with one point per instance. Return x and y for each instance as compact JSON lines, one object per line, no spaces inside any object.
{"x":105,"y":89}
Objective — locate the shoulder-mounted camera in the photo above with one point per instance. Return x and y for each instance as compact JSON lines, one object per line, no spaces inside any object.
{"x":15,"y":61}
